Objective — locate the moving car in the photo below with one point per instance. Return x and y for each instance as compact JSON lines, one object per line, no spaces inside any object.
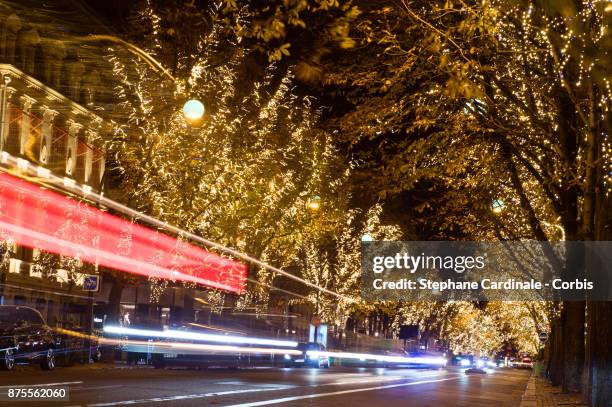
{"x":485,"y":361}
{"x":318,"y":361}
{"x":25,"y":337}
{"x":462,"y":360}
{"x":524,"y":362}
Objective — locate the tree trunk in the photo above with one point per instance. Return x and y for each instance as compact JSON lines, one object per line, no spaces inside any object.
{"x":598,"y":383}
{"x":555,"y":363}
{"x":573,"y":319}
{"x":597,"y":386}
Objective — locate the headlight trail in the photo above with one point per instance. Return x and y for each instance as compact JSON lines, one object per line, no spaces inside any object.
{"x":423,"y":360}
{"x":168,"y":347}
{"x":214,"y":328}
{"x":196,"y":336}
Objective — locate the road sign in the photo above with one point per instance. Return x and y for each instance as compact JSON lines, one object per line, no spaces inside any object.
{"x":543,"y":336}
{"x":91,"y":283}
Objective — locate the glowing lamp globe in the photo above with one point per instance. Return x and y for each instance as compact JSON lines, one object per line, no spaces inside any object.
{"x":367,"y":238}
{"x":497,"y":206}
{"x":315,"y":203}
{"x":193,"y":111}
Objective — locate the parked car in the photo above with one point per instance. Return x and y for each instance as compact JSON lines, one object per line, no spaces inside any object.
{"x":318,"y":361}
{"x":25,"y":337}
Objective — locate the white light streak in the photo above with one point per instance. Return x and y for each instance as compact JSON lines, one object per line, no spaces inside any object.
{"x":196,"y":336}
{"x":423,"y":360}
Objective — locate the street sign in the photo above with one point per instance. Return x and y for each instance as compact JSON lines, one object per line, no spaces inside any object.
{"x":91,"y":283}
{"x":543,"y":336}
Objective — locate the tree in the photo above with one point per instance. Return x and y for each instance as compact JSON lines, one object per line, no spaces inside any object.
{"x":245,"y":177}
{"x":480,"y":102}
{"x":333,"y":260}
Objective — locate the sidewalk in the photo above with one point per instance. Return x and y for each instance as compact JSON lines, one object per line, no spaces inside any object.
{"x":539,"y":393}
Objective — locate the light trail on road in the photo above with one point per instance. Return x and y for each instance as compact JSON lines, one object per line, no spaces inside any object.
{"x":423,"y":360}
{"x":196,"y":336}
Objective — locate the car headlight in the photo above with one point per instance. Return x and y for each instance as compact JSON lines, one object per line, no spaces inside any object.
{"x":287,"y":357}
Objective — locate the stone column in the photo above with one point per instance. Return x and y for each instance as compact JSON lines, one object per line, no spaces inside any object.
{"x":54,"y":53}
{"x":28,"y":42}
{"x":91,"y":135}
{"x":6,"y":93}
{"x":91,"y":82}
{"x":74,"y":75}
{"x":24,"y":128}
{"x":72,"y":147}
{"x":10,"y":29}
{"x":46,"y":139}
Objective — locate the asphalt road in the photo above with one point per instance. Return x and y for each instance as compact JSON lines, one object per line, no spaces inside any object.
{"x":104,"y":385}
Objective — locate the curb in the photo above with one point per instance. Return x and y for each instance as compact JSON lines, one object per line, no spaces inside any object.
{"x":529,"y":398}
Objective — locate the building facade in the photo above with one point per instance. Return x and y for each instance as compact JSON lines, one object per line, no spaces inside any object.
{"x":43,"y":129}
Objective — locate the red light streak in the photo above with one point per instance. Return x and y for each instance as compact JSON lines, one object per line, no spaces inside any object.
{"x":36,"y":217}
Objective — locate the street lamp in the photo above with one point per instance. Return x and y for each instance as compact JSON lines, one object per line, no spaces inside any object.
{"x":193,"y":111}
{"x":315,"y":203}
{"x":367,"y":238}
{"x":497,"y":206}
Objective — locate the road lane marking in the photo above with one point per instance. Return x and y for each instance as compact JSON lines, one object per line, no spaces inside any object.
{"x":379,"y":379}
{"x":260,"y":388}
{"x":335,"y":393}
{"x":264,"y":385}
{"x":40,"y":385}
{"x":95,"y":387}
{"x":185,"y":397}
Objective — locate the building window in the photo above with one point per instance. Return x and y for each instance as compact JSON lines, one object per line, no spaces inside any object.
{"x":40,"y":305}
{"x":14,"y":266}
{"x":19,"y":300}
